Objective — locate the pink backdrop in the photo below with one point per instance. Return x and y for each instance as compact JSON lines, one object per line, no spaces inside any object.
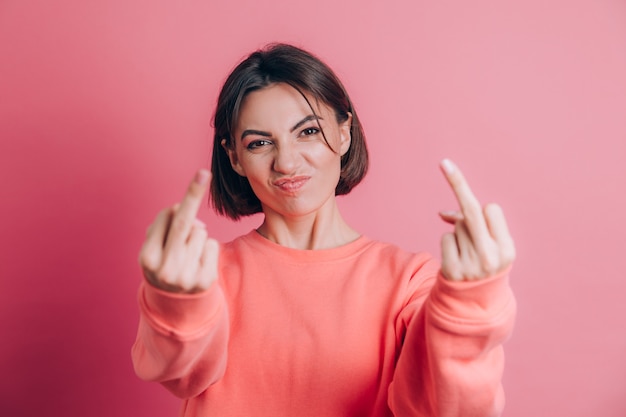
{"x":104,"y":117}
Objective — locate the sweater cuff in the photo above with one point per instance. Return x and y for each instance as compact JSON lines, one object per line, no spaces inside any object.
{"x":484,"y":301}
{"x":179,"y":313}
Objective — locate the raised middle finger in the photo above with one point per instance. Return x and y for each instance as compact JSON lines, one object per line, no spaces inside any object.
{"x":469,"y":204}
{"x":183,"y":219}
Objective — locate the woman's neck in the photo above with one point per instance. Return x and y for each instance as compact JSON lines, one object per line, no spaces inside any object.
{"x":323,"y":229}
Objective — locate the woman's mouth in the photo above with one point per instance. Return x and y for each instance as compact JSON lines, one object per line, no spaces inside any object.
{"x":291,"y":184}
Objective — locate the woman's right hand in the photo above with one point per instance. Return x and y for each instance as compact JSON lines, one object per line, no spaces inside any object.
{"x":177,"y":255}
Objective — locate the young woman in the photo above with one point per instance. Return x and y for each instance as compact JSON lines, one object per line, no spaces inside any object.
{"x":305,"y":316}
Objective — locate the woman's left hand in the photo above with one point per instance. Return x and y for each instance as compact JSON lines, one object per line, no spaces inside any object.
{"x":480,"y":245}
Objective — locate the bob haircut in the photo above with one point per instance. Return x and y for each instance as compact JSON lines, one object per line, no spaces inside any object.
{"x":231,"y":194}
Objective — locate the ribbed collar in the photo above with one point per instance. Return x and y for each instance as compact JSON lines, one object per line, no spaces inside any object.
{"x":259,"y":243}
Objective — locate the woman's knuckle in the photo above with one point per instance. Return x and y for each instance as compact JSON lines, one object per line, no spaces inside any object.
{"x":472,"y":212}
{"x":211,"y":247}
{"x":508,"y":254}
{"x":185,"y":282}
{"x":168,"y":273}
{"x":148,"y":259}
{"x":180,"y":224}
{"x":452,"y":271}
{"x":202,"y":233}
{"x":144,"y":260}
{"x":472,"y":271}
{"x":490,"y":263}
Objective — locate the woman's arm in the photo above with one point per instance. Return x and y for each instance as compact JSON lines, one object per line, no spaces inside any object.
{"x":183,"y":328}
{"x":451,"y":361}
{"x":182,"y":339}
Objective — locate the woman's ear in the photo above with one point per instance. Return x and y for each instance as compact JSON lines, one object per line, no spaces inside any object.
{"x":234,"y":159}
{"x":345,"y":130}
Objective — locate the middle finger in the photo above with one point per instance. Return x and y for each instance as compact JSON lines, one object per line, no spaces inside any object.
{"x":469,"y":204}
{"x":184,"y":216}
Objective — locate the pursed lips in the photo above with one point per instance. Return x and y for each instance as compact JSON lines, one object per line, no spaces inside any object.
{"x":291,"y":184}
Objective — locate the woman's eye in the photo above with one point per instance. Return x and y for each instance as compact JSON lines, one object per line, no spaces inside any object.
{"x":258,"y":144}
{"x":310,"y":131}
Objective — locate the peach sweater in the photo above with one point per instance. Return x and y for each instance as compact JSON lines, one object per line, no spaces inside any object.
{"x":365,"y":329}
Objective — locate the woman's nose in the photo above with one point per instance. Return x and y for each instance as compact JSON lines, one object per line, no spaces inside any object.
{"x":286,"y":160}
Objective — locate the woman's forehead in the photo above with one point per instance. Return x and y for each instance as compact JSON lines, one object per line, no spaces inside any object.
{"x":278,"y":105}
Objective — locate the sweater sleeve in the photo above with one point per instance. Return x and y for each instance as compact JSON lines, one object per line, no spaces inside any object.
{"x":182,"y":339}
{"x":451,"y":360}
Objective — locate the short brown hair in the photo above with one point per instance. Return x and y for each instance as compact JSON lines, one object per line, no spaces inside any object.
{"x":231,"y":194}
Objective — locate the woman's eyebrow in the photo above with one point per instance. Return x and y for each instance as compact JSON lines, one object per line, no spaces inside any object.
{"x":267,"y":134}
{"x":305,"y":120}
{"x":255,"y":132}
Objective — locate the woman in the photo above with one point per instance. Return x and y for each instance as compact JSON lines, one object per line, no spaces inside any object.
{"x":304,"y":316}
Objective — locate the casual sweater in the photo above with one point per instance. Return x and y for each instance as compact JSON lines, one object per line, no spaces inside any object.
{"x":365,"y":329}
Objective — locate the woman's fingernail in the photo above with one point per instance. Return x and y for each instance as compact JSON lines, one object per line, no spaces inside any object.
{"x":447,"y":166}
{"x":202,"y":176}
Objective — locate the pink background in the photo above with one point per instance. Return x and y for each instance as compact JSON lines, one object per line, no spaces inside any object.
{"x":104,"y":117}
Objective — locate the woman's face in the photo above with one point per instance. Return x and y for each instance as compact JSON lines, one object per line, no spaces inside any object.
{"x":279,"y":147}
